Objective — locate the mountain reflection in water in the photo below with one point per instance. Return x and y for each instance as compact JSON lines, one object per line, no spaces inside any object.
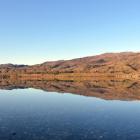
{"x":105,"y":89}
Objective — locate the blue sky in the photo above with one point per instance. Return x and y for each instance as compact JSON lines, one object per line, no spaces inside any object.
{"x":34,"y":31}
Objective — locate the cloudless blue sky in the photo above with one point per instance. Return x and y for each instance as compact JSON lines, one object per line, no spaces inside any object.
{"x":34,"y":31}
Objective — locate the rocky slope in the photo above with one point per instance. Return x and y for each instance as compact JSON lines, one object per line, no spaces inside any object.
{"x":118,"y":65}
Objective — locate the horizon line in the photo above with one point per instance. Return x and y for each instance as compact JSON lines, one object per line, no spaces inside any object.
{"x":118,"y":52}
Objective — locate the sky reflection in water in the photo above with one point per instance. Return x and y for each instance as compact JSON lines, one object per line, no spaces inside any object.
{"x":38,"y":115}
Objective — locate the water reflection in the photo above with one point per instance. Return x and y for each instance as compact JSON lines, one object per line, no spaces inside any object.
{"x":30,"y":114}
{"x":105,"y":89}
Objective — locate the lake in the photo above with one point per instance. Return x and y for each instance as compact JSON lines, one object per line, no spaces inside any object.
{"x":34,"y":114}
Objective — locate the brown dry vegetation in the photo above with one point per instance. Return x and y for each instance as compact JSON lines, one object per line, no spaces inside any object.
{"x":110,"y":65}
{"x":113,"y":76}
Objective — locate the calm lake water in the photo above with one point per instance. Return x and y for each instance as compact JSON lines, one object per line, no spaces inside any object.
{"x":29,"y":114}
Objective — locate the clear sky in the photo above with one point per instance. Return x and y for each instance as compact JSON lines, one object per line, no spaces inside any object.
{"x":34,"y":31}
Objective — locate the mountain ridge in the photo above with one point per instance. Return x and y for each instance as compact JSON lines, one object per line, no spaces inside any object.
{"x":124,"y":64}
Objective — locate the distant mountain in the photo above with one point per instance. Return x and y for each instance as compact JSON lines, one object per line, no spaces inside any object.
{"x":11,"y":66}
{"x":126,"y":64}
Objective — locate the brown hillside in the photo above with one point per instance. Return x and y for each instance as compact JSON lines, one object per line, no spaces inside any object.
{"x":118,"y":65}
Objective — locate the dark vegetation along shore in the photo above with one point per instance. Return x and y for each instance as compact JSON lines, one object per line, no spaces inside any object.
{"x":124,"y":65}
